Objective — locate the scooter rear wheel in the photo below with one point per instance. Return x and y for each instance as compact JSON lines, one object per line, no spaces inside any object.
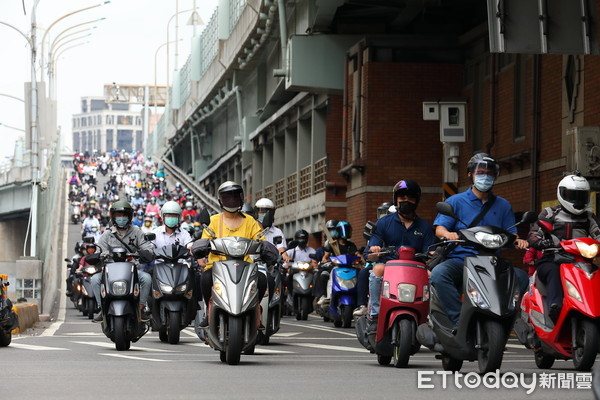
{"x":304,"y":308}
{"x":383,"y":360}
{"x":587,"y":346}
{"x":489,"y":357}
{"x":403,"y":348}
{"x":451,"y":364}
{"x":162,"y":334}
{"x":223,"y":356}
{"x":91,"y":307}
{"x":5,"y":338}
{"x":543,"y":360}
{"x":347,"y":316}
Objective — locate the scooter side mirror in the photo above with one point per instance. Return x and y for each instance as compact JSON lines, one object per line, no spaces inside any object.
{"x":277,"y":240}
{"x":370,"y":227}
{"x":313,"y":256}
{"x":93,"y":259}
{"x":367,"y":235}
{"x":529,"y":217}
{"x":149,"y":236}
{"x":88,"y":239}
{"x":268,"y":219}
{"x":292,"y":244}
{"x":67,"y":260}
{"x":204,"y":217}
{"x":445,"y":209}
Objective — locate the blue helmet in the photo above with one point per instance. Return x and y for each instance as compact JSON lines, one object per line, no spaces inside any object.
{"x":344,"y":230}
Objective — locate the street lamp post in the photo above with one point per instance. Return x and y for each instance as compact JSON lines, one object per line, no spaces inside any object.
{"x":176,"y":39}
{"x":12,"y":127}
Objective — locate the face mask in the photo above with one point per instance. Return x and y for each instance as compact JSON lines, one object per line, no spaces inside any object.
{"x":261,"y":218}
{"x":147,"y":223}
{"x":94,"y":229}
{"x":171,"y":222}
{"x":197,"y":228}
{"x":121,"y":222}
{"x":483,"y":183}
{"x":334,"y":234}
{"x":302,"y":244}
{"x":407,"y":208}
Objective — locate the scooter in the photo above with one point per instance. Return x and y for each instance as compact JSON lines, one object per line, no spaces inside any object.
{"x":87,"y":298}
{"x":120,"y":291}
{"x":173,"y":285}
{"x":8,"y":318}
{"x":404,"y":305}
{"x":343,"y":290}
{"x":104,"y":169}
{"x":271,"y":305}
{"x":300,"y":298}
{"x":76,"y":212}
{"x":490,"y":303}
{"x":234,"y":306}
{"x":575,"y":334}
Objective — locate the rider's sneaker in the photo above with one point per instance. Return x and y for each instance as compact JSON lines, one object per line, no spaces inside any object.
{"x":323,"y":300}
{"x":360,"y":311}
{"x":98,"y":318}
{"x":372,"y":324}
{"x":554,"y":312}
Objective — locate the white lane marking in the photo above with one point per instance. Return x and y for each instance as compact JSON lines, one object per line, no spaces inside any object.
{"x":286,"y":334}
{"x":133,"y":357}
{"x":321,"y":328}
{"x":110,"y":345}
{"x":35,"y":347}
{"x":329,"y":347}
{"x":190,"y":333}
{"x":62,"y":308}
{"x":516,"y":346}
{"x":264,"y":351}
{"x":82,"y":334}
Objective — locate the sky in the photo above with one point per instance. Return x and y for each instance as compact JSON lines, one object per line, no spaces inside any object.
{"x":121,"y":49}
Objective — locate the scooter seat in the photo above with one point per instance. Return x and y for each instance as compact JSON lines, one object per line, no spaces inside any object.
{"x":540,"y":286}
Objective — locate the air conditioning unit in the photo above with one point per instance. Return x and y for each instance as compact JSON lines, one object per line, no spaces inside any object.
{"x":584,"y":150}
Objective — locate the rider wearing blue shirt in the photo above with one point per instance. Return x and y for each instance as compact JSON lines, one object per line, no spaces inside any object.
{"x":401,"y":229}
{"x":446,"y":277}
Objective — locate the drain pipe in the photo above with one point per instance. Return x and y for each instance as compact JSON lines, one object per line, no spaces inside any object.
{"x":282,"y":72}
{"x":536,"y":132}
{"x":238,"y":100}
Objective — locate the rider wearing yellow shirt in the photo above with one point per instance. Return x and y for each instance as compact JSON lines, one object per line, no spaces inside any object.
{"x":231,"y":222}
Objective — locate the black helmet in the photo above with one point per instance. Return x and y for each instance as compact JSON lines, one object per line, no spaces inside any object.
{"x":247,"y":209}
{"x":231,"y":196}
{"x":331,"y":224}
{"x":383,"y":209}
{"x":344,"y":230}
{"x":484,"y":161}
{"x":121,"y":206}
{"x":301,"y":234}
{"x":407,"y":187}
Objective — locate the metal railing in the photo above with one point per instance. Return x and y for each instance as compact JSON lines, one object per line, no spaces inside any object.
{"x":187,"y":181}
{"x":236,"y":7}
{"x":185,"y":81}
{"x":210,"y":43}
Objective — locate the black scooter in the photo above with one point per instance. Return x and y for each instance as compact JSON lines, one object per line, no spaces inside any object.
{"x":173,"y":284}
{"x":8,"y":318}
{"x":120,"y":291}
{"x":490,"y":305}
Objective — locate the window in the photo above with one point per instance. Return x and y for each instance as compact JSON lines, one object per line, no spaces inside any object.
{"x":110,"y":119}
{"x":125,"y":119}
{"x":29,"y":288}
{"x":98,"y":105}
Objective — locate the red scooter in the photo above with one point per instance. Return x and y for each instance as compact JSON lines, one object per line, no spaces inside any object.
{"x":404,"y":306}
{"x":575,"y":334}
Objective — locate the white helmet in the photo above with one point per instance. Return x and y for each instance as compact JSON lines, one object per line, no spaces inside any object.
{"x":264,"y":203}
{"x":188,"y":204}
{"x":573,"y":193}
{"x":171,"y":207}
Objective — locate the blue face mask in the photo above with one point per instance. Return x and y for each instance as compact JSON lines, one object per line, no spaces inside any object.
{"x":171,"y":222}
{"x":484,"y":183}
{"x":261,"y":218}
{"x":121,"y":222}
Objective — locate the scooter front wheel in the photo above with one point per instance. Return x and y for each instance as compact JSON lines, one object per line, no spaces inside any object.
{"x":120,"y":329}
{"x":402,"y":350}
{"x":173,"y":333}
{"x":383,"y":360}
{"x":91,"y":307}
{"x":5,"y":338}
{"x":587,"y":346}
{"x":543,"y":360}
{"x":493,"y":340}
{"x":235,"y":340}
{"x":347,"y":316}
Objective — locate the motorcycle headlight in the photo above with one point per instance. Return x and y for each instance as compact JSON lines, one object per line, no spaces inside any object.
{"x":85,"y":293}
{"x":302,"y":266}
{"x":181,"y":288}
{"x":276,"y":295}
{"x":475,"y":295}
{"x":491,"y":241}
{"x":346,"y":284}
{"x":385,"y":290}
{"x":89,"y":270}
{"x":572,"y":290}
{"x":587,"y":250}
{"x":219,"y":288}
{"x":166,"y":289}
{"x":406,"y":292}
{"x":119,"y":288}
{"x":236,"y":249}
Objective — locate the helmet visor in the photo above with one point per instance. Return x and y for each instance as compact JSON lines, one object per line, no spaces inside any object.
{"x":579,"y":198}
{"x":231,"y":199}
{"x":486,"y":168}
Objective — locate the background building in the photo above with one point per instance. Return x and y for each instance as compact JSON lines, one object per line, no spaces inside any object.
{"x":106,"y":126}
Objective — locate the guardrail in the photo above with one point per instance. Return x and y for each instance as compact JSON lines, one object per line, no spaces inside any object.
{"x":208,"y":200}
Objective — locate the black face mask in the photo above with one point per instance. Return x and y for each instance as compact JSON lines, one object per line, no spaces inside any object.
{"x":407,"y":208}
{"x":302,"y":244}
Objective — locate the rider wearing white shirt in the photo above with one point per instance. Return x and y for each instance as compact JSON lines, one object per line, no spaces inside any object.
{"x":170,"y":232}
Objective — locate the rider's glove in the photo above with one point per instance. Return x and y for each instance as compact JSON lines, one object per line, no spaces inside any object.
{"x":543,"y":244}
